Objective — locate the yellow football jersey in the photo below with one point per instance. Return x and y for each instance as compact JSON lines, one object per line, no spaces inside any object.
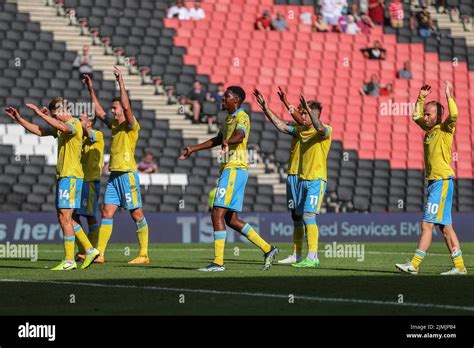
{"x":314,"y":149}
{"x":122,"y":149}
{"x":236,"y":157}
{"x":93,"y":156}
{"x":69,"y":150}
{"x":294,"y":161}
{"x":438,"y":142}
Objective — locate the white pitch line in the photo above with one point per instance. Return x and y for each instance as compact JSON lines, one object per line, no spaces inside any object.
{"x":249,"y":294}
{"x":240,"y":249}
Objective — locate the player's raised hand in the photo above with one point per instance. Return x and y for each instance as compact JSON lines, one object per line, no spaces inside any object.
{"x":449,"y":89}
{"x":117,"y":73}
{"x":34,"y":108}
{"x":13,"y":113}
{"x":260,"y":99}
{"x":87,"y":81}
{"x":282,"y":96}
{"x":425,"y":90}
{"x":304,"y":104}
{"x":187,"y":152}
{"x":45,"y":110}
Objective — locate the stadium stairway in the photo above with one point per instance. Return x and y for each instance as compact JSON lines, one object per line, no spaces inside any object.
{"x":456,"y":28}
{"x":202,"y":173}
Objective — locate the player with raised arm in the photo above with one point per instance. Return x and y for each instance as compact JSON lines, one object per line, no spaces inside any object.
{"x":438,"y":142}
{"x":293,"y":167}
{"x":69,"y":174}
{"x":233,"y":178}
{"x":91,"y":160}
{"x":315,"y":142}
{"x":123,"y":186}
{"x":312,"y":175}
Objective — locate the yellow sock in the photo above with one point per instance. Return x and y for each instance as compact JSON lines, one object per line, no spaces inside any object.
{"x":81,"y":239}
{"x":94,"y":234}
{"x":105,"y":232}
{"x":298,"y":237}
{"x":458,"y":260}
{"x":142,"y":234}
{"x":312,"y":234}
{"x":80,"y":248}
{"x":219,"y":243}
{"x":417,"y":258}
{"x":253,"y":236}
{"x":69,"y":247}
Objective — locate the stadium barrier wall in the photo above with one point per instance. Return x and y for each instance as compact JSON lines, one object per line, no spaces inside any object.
{"x":275,"y":227}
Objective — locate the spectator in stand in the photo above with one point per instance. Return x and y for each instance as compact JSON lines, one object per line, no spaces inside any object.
{"x":352,"y":27}
{"x":425,"y":24}
{"x":365,"y":23}
{"x":376,"y":52}
{"x":332,"y":10}
{"x":178,"y":11}
{"x":387,"y":90}
{"x":405,"y":72}
{"x":441,"y":6}
{"x":197,"y":13}
{"x":376,"y":11}
{"x":279,"y":22}
{"x":264,"y":23}
{"x":147,"y":165}
{"x":217,"y":95}
{"x":320,"y":25}
{"x":196,"y":97}
{"x":396,"y":14}
{"x":84,"y":62}
{"x":342,"y":21}
{"x":372,"y":87}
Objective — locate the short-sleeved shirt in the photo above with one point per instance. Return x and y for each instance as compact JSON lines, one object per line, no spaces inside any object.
{"x":266,"y":22}
{"x":69,"y":150}
{"x":376,"y":13}
{"x":314,"y":149}
{"x":124,"y":142}
{"x":237,"y":154}
{"x":93,"y":156}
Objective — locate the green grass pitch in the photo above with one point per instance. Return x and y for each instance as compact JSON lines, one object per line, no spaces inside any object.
{"x":170,"y":285}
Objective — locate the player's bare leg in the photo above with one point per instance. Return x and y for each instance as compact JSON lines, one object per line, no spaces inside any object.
{"x":454,"y":247}
{"x":269,"y":251}
{"x":105,"y":231}
{"x":142,"y":234}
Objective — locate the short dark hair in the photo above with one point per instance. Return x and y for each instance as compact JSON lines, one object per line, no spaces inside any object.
{"x":315,"y":105}
{"x":439,"y":108}
{"x":117,"y":99}
{"x":55,"y":104}
{"x":238,"y":91}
